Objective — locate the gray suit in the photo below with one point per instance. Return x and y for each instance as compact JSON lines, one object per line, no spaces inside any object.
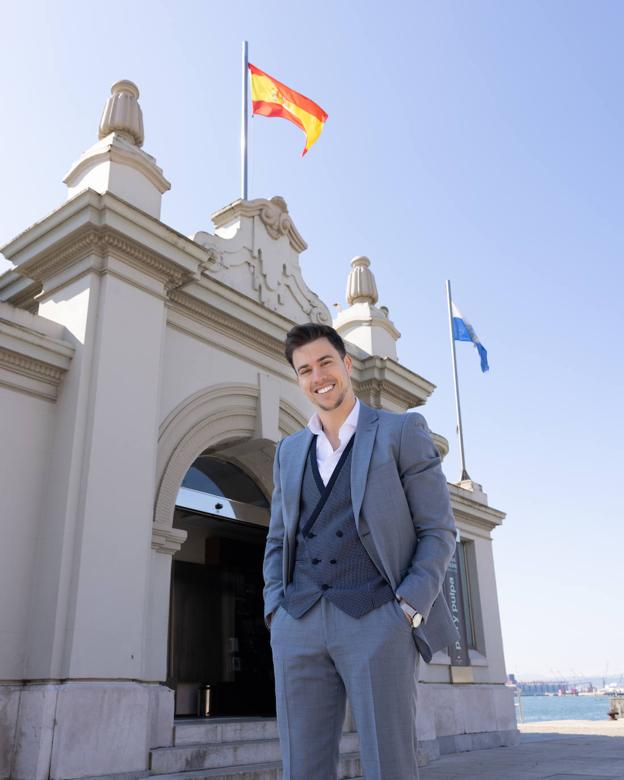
{"x":404,"y":521}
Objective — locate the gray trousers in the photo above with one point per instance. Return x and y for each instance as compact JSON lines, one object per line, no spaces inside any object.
{"x":325,"y":657}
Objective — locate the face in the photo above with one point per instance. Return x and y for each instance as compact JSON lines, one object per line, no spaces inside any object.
{"x":323,"y":375}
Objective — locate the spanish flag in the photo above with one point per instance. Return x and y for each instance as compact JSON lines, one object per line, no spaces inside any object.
{"x":270,"y":97}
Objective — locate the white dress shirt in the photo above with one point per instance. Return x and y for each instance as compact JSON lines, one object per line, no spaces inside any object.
{"x":326,"y":456}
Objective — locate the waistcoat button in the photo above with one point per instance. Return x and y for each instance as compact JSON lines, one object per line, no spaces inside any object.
{"x":339,"y":533}
{"x":325,"y":587}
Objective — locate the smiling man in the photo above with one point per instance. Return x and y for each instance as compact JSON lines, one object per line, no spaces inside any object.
{"x":360,"y":538}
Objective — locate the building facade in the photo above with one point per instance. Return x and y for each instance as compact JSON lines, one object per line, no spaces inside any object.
{"x":143,"y":390}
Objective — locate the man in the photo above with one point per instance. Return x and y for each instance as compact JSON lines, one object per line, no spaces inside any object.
{"x":360,"y":537}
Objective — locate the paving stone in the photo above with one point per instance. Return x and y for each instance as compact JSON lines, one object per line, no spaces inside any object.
{"x":562,"y":750}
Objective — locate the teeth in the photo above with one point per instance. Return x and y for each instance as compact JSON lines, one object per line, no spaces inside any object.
{"x":324,"y":390}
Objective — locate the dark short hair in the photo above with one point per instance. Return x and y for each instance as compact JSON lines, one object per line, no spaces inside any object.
{"x":311,"y":331}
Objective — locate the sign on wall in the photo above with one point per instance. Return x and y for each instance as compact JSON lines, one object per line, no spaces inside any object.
{"x":453,"y":593}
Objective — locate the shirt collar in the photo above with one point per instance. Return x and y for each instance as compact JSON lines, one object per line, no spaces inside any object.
{"x":349,"y":425}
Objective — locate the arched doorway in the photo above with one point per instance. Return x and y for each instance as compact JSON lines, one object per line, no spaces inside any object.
{"x":217,"y":636}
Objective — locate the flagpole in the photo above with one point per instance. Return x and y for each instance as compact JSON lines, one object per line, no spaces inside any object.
{"x":244,"y":123}
{"x":464,"y":473}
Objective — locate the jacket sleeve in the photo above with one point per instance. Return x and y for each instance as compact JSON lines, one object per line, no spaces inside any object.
{"x":430,"y":506}
{"x":274,"y":551}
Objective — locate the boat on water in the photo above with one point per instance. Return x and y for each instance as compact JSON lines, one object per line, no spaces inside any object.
{"x":611,"y":690}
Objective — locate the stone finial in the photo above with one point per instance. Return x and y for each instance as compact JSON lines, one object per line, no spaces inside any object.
{"x":361,"y":287}
{"x":363,"y":323}
{"x":122,"y":113}
{"x":116,"y":164}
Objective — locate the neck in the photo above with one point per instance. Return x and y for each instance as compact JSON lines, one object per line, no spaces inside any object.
{"x":333,"y":419}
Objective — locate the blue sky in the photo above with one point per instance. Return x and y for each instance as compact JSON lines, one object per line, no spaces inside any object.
{"x":480,"y":142}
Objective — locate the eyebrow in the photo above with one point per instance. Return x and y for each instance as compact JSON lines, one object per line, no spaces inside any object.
{"x":306,"y":365}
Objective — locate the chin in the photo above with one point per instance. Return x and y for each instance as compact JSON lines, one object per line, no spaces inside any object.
{"x":330,"y":406}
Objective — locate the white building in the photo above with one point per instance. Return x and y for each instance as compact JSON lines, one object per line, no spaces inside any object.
{"x":142,"y":391}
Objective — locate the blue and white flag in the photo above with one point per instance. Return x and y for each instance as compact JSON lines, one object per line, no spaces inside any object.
{"x":463,"y":331}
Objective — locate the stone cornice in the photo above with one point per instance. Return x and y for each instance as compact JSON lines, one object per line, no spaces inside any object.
{"x":29,"y":366}
{"x":59,"y":256}
{"x":273,"y":213}
{"x":100,"y":242}
{"x":375,"y":391}
{"x":31,"y":360}
{"x":379,"y":376}
{"x":115,"y":149}
{"x":364,"y":313}
{"x":25,"y":298}
{"x":19,"y":290}
{"x":94,"y":223}
{"x":474,"y":512}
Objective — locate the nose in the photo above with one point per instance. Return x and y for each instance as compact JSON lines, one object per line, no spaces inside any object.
{"x":318,"y":373}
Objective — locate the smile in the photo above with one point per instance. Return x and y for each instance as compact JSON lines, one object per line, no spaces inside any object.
{"x":324,"y":389}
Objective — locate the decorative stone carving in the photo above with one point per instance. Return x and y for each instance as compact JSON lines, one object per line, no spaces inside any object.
{"x":175,"y":283}
{"x":273,"y":213}
{"x":256,"y":251}
{"x":122,"y":113}
{"x":278,"y":222}
{"x":212,"y":263}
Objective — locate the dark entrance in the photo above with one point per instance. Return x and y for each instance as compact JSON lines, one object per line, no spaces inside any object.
{"x":217,"y":636}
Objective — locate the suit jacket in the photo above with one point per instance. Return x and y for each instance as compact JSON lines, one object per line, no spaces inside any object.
{"x":402,"y":513}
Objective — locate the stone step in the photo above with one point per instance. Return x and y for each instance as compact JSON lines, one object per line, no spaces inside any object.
{"x":235,"y":753}
{"x":223,"y":730}
{"x":349,"y":768}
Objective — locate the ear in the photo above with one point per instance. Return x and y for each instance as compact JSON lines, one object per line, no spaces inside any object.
{"x":347,"y":360}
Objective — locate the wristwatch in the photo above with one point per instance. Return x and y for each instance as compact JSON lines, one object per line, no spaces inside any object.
{"x":414,"y":617}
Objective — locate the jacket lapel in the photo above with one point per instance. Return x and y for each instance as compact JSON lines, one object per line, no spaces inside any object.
{"x":292,"y":479}
{"x":362,"y":451}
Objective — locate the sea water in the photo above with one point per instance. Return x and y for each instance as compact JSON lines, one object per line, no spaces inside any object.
{"x":562,"y":708}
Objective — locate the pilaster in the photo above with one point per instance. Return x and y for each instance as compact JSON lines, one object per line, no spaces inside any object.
{"x":105,"y":270}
